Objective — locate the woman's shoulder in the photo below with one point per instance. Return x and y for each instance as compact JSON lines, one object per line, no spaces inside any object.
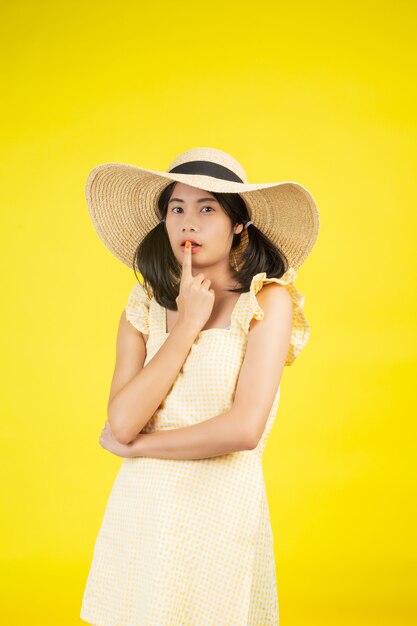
{"x":273,"y":295}
{"x":137,"y":307}
{"x":277,"y":297}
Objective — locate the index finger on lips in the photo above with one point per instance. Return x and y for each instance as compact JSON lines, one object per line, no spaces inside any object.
{"x":186,"y":262}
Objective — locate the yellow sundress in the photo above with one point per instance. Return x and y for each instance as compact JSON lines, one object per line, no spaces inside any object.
{"x":189,"y":542}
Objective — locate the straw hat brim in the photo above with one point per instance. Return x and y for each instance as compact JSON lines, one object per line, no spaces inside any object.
{"x":122,"y":203}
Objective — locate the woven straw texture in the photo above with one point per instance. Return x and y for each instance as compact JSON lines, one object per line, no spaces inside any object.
{"x":122,"y":202}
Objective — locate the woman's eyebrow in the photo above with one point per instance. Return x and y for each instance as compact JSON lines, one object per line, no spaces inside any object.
{"x":199,"y":200}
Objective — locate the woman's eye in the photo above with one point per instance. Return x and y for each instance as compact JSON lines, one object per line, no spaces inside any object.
{"x":204,"y":207}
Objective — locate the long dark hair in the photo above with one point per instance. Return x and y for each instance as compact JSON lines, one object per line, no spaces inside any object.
{"x":161,"y":271}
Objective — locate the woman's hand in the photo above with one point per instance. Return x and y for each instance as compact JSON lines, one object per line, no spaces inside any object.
{"x":108,"y":442}
{"x":195,"y":300}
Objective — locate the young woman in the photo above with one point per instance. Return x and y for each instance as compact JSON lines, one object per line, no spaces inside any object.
{"x":186,"y":537}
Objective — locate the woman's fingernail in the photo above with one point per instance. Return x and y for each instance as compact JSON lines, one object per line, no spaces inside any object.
{"x":187,"y":244}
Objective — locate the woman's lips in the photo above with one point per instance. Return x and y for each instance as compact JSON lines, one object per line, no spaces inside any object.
{"x":193,"y":248}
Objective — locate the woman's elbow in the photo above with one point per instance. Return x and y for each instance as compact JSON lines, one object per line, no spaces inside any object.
{"x":117,"y":426}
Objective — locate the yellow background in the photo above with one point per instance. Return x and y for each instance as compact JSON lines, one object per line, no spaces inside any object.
{"x":319,"y":93}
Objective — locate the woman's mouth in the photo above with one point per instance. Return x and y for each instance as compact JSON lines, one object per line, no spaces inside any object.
{"x":194,"y":247}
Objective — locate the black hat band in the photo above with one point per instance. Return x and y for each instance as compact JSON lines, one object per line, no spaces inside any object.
{"x":206,"y":168}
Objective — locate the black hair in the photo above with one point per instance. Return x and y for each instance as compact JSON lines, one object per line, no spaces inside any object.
{"x":162,"y":272}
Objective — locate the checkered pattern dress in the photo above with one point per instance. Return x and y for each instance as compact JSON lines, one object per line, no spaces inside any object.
{"x":189,"y":542}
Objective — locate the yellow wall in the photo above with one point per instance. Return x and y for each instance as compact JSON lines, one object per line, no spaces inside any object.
{"x":315,"y":92}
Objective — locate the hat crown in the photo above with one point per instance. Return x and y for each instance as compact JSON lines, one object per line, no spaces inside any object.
{"x":210,"y":155}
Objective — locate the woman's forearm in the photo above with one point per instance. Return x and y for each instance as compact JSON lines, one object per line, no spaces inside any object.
{"x":218,"y":435}
{"x":136,"y":403}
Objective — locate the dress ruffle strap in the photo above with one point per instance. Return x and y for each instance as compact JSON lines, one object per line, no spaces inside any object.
{"x":300,"y":329}
{"x":137,"y":308}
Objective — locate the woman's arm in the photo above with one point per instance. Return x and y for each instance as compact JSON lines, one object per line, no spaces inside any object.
{"x":242,"y":426}
{"x":218,"y":435}
{"x":138,"y":391}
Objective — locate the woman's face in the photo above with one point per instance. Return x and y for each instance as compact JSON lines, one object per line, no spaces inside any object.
{"x":195,"y":214}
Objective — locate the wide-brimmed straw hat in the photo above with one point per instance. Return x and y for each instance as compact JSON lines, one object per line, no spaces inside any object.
{"x":122,"y":202}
